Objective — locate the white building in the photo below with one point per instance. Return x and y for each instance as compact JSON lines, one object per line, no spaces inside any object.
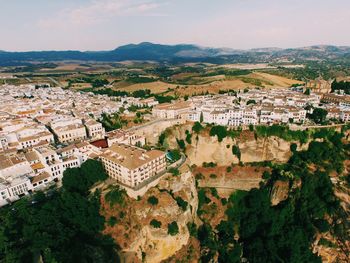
{"x":171,"y":110}
{"x":131,"y":165}
{"x":95,"y":129}
{"x":124,"y":137}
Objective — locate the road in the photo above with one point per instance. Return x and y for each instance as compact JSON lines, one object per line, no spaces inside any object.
{"x":147,"y":124}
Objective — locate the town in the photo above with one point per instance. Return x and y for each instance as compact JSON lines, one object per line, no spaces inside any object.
{"x":45,"y":130}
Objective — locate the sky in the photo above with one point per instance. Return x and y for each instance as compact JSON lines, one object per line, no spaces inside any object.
{"x":106,"y":24}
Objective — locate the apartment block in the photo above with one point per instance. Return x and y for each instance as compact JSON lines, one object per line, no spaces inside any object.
{"x":131,"y":165}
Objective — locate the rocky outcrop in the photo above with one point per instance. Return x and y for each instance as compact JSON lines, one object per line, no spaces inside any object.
{"x":134,"y":234}
{"x":279,"y":192}
{"x":205,"y":148}
{"x":157,"y":244}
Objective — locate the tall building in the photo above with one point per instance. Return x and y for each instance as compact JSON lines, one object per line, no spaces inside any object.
{"x":131,"y":165}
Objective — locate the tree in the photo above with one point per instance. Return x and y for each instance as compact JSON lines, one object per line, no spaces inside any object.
{"x":173,"y":228}
{"x":236,"y":151}
{"x":181,"y":143}
{"x":161,"y":138}
{"x":64,"y":226}
{"x":293,"y":147}
{"x":319,"y":115}
{"x":155,"y":223}
{"x":152,"y":200}
{"x":219,"y":131}
{"x":201,"y":118}
{"x":188,"y":137}
{"x":93,"y":171}
{"x":181,"y":203}
{"x":116,"y":196}
{"x":197,"y":127}
{"x":73,"y":181}
{"x":174,"y":171}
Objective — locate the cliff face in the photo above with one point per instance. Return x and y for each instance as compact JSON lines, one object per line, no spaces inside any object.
{"x":205,"y":148}
{"x":134,"y":234}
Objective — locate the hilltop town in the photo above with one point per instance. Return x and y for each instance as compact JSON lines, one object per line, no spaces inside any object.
{"x":45,"y":130}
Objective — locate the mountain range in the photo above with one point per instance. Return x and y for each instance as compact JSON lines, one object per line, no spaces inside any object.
{"x":180,"y":53}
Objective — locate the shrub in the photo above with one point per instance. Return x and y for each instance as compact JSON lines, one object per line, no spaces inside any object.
{"x":266,"y":175}
{"x":202,"y":198}
{"x":213,"y":176}
{"x":173,"y":228}
{"x":192,"y":229}
{"x":236,"y":151}
{"x":223,"y":201}
{"x":181,"y":203}
{"x":181,"y":144}
{"x":174,"y":171}
{"x":282,"y":132}
{"x":326,"y":243}
{"x":197,"y":127}
{"x":208,"y":165}
{"x":214,"y":192}
{"x":155,"y":223}
{"x":116,"y":196}
{"x":152,"y":200}
{"x":199,"y":176}
{"x":112,"y":221}
{"x":162,"y":138}
{"x":188,"y":138}
{"x":293,"y":147}
{"x":228,"y":169}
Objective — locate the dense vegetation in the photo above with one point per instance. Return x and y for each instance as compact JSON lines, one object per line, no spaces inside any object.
{"x":143,"y":94}
{"x":60,"y":225}
{"x":112,"y":122}
{"x":282,"y":132}
{"x":318,"y":115}
{"x":259,"y":232}
{"x":341,"y":85}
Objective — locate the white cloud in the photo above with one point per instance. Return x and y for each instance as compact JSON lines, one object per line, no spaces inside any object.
{"x":98,"y":11}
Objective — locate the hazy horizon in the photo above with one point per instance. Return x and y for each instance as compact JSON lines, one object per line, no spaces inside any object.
{"x":95,"y":25}
{"x":233,"y":48}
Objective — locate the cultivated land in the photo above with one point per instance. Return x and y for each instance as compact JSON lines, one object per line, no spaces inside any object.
{"x":177,"y":80}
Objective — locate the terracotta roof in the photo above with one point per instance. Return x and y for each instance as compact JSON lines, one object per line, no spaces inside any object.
{"x":31,"y":156}
{"x":37,"y":166}
{"x":40,"y":177}
{"x":100,"y":143}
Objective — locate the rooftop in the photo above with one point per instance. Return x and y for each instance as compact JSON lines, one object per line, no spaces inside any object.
{"x":130,"y":157}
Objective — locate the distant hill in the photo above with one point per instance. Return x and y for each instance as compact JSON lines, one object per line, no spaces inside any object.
{"x":179,"y":53}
